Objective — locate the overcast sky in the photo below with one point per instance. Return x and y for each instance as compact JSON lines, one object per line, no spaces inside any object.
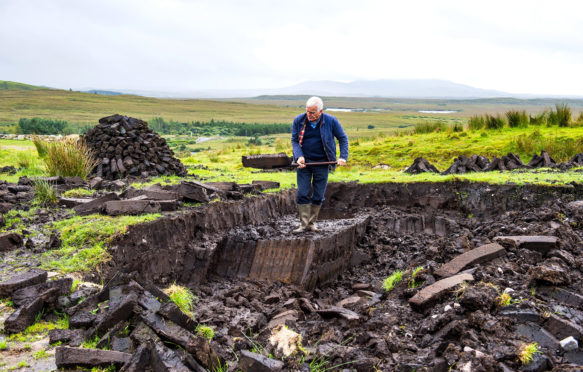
{"x":185,"y":45}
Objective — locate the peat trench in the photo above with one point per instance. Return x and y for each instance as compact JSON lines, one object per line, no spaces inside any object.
{"x":317,"y":299}
{"x":253,"y":275}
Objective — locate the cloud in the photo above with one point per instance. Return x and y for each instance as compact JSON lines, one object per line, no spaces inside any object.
{"x":184,"y":45}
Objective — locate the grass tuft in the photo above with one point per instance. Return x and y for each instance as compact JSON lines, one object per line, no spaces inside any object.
{"x":182,"y":297}
{"x":69,"y":158}
{"x":527,"y":351}
{"x":413,"y":283}
{"x":205,"y":331}
{"x":504,"y":300}
{"x":390,"y":282}
{"x":45,"y":193}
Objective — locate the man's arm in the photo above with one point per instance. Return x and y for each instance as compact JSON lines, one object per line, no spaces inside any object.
{"x":295,"y":140}
{"x":339,"y":133}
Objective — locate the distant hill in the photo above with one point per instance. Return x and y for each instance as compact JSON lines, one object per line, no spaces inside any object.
{"x":11,"y":85}
{"x":103,"y":92}
{"x":394,"y":88}
{"x":386,"y":88}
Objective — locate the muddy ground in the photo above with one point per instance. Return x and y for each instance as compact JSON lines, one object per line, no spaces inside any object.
{"x":408,"y":227}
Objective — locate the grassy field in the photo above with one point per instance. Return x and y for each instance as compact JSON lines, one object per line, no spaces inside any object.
{"x":84,"y":109}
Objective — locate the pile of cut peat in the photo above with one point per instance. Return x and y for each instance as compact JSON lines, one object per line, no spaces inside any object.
{"x":478,"y":163}
{"x":126,"y":146}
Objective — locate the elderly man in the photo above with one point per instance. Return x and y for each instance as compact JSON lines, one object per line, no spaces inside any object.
{"x":313,"y":141}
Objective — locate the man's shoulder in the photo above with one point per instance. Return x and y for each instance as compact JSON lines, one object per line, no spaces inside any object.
{"x":300,"y":117}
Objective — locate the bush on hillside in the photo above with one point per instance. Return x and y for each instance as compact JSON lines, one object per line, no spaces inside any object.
{"x":41,"y":126}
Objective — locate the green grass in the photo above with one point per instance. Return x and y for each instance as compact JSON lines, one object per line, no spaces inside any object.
{"x":69,"y":158}
{"x":205,"y":331}
{"x":527,"y":351}
{"x":413,"y":283}
{"x":504,"y":300}
{"x":390,"y":282}
{"x":41,"y":354}
{"x":182,"y":297}
{"x":85,"y":240}
{"x":45,"y":193}
{"x":78,"y":193}
{"x":3,"y":344}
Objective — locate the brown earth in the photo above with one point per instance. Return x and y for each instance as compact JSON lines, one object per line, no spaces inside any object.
{"x":252,"y":274}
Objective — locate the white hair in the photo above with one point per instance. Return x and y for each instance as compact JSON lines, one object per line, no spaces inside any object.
{"x":315,"y":101}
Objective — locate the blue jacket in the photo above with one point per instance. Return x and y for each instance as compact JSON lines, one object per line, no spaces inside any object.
{"x":330,"y":128}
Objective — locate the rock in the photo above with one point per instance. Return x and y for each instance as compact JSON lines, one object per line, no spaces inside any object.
{"x":549,"y":273}
{"x":23,"y":316}
{"x":480,"y":297}
{"x":191,"y":192}
{"x":431,"y":294}
{"x":71,"y":357}
{"x":266,"y":184}
{"x":71,"y":337}
{"x":23,"y":295}
{"x":334,"y":311}
{"x":522,"y":315}
{"x":72,"y":202}
{"x":421,"y":165}
{"x":542,"y":244}
{"x":534,"y":332}
{"x":562,"y":328}
{"x":29,"y":278}
{"x":564,"y":296}
{"x":95,"y":205}
{"x":195,"y":345}
{"x":10,"y":241}
{"x":170,"y":311}
{"x":569,"y":343}
{"x":540,"y":362}
{"x":95,"y":182}
{"x":283,"y":318}
{"x":252,"y":362}
{"x":478,"y":255}
{"x":139,"y":360}
{"x":164,"y":359}
{"x":131,"y":207}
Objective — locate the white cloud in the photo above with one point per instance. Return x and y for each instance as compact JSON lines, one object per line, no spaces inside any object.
{"x":518,"y":46}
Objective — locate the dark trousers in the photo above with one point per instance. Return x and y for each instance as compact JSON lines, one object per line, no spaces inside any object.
{"x":314,"y":178}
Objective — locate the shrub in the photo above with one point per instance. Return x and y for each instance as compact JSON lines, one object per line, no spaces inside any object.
{"x":24,"y":159}
{"x":45,"y":193}
{"x":182,"y":297}
{"x":69,"y":158}
{"x":539,"y":119}
{"x":42,"y":147}
{"x":370,"y":126}
{"x":429,"y":127}
{"x":563,"y":115}
{"x":494,"y":122}
{"x":517,"y":119}
{"x":41,"y":126}
{"x":476,"y":122}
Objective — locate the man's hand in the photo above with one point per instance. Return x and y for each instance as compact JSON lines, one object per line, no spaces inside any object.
{"x":301,"y":162}
{"x":341,"y":162}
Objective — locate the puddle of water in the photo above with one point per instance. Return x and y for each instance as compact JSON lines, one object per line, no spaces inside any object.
{"x":437,"y":111}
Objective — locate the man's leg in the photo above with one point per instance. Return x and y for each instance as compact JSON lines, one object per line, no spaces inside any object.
{"x":304,"y":178}
{"x":319,"y":188}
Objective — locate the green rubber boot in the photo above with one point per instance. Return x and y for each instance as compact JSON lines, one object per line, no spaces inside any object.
{"x":304,"y":212}
{"x":314,"y":211}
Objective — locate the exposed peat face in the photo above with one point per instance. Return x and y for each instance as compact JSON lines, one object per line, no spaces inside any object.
{"x":460,"y":248}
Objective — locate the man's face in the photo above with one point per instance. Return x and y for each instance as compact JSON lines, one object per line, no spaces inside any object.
{"x":313,"y":113}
